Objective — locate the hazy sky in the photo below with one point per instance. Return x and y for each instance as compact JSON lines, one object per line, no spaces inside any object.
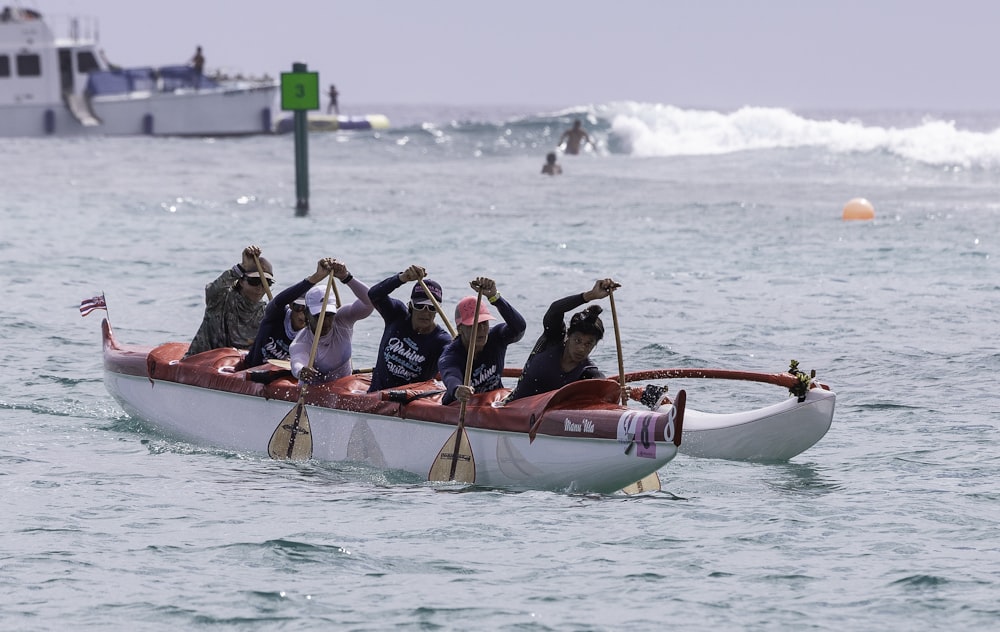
{"x":803,"y":54}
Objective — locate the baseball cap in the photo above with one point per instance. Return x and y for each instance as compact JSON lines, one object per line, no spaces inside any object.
{"x":465,"y":311}
{"x":419,"y":297}
{"x":314,"y":300}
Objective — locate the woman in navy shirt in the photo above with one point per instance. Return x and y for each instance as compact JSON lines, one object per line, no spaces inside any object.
{"x":490,"y":344}
{"x":562,"y":355}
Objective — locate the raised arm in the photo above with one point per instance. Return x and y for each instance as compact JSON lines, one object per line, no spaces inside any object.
{"x":360,"y":308}
{"x":514,"y":325}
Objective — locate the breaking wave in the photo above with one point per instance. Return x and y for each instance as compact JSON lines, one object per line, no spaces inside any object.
{"x":651,"y":130}
{"x":662,"y":130}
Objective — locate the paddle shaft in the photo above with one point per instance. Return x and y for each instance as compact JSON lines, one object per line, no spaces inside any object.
{"x":300,"y":405}
{"x":260,"y":271}
{"x":319,"y":326}
{"x":469,"y":357}
{"x":336,"y":293}
{"x":618,"y":344}
{"x":438,"y":307}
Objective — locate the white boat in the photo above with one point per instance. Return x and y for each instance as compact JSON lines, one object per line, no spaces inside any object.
{"x":578,"y":438}
{"x":773,"y":433}
{"x":64,"y":86}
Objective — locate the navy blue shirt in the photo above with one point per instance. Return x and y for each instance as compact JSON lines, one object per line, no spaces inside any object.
{"x":487,"y":366}
{"x":275,"y":334}
{"x":404,"y":355}
{"x":543,"y":369}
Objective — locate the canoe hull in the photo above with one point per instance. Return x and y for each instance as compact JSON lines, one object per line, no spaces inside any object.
{"x":551,"y":445}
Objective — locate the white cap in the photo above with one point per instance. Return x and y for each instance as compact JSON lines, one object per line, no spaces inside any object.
{"x":314,"y":300}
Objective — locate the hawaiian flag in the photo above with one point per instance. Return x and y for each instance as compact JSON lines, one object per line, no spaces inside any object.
{"x":90,"y":304}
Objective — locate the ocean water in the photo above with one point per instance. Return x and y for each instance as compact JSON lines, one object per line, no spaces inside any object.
{"x":725,"y":231}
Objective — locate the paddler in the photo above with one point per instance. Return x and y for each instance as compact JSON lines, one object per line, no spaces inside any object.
{"x":490,"y":344}
{"x":234,"y":305}
{"x":562,"y":355}
{"x":284,"y":316}
{"x":412,"y":341}
{"x":333,"y":353}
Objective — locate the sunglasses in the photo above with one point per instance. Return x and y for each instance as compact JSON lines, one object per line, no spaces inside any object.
{"x":422,"y":308}
{"x":298,"y":308}
{"x":255,"y":281}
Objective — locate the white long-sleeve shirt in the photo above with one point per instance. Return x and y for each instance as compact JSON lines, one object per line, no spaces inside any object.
{"x":333,"y":353}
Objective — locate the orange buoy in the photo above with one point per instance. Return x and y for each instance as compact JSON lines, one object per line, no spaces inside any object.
{"x":859,"y":208}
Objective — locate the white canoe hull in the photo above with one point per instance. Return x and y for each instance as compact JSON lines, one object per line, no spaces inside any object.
{"x":502,"y":459}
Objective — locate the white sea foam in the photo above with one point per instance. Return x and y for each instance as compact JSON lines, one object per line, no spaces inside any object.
{"x":644,"y":129}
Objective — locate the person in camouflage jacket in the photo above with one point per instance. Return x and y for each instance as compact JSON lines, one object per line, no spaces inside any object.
{"x":234,"y":305}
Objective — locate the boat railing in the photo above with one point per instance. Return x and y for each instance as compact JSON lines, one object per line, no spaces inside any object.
{"x":73,"y":29}
{"x":147,"y":79}
{"x":181,"y":77}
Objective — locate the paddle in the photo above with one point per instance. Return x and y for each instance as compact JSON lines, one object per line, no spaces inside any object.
{"x":336,"y":293}
{"x":459,"y":464}
{"x":618,"y":344}
{"x":260,"y":272}
{"x":292,"y":439}
{"x":437,"y":306}
{"x":651,"y":482}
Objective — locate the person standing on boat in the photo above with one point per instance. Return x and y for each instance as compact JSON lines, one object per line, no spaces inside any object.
{"x":198,"y":63}
{"x":490,"y":344}
{"x":333,"y":354}
{"x":562,"y":355}
{"x":333,"y":107}
{"x":412,"y":341}
{"x":284,"y":316}
{"x":233,"y":305}
{"x":573,"y":137}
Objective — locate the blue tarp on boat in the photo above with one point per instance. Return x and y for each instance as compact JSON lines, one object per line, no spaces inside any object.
{"x":125,"y":80}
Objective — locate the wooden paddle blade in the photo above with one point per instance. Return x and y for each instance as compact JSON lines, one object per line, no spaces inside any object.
{"x":454,"y":463}
{"x":650,"y":483}
{"x":292,"y":439}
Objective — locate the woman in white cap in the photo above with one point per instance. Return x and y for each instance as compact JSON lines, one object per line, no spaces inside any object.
{"x":284,"y":316}
{"x":490,"y":343}
{"x":333,"y":353}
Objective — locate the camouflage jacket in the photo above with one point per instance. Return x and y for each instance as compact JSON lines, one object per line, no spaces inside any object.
{"x":230,"y":319}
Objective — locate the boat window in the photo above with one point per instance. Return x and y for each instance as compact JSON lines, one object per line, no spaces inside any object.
{"x":29,"y":65}
{"x":85,"y":62}
{"x":4,"y":66}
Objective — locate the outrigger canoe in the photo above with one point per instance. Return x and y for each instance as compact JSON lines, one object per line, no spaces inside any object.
{"x":578,"y":438}
{"x":770,"y":434}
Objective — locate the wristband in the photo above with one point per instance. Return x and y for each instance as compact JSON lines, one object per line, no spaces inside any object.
{"x":348,"y":278}
{"x":493,"y":299}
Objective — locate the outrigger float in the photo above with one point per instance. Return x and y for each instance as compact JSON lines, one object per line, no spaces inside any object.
{"x":579,"y":438}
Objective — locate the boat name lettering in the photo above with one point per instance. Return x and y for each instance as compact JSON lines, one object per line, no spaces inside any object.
{"x":584,"y":426}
